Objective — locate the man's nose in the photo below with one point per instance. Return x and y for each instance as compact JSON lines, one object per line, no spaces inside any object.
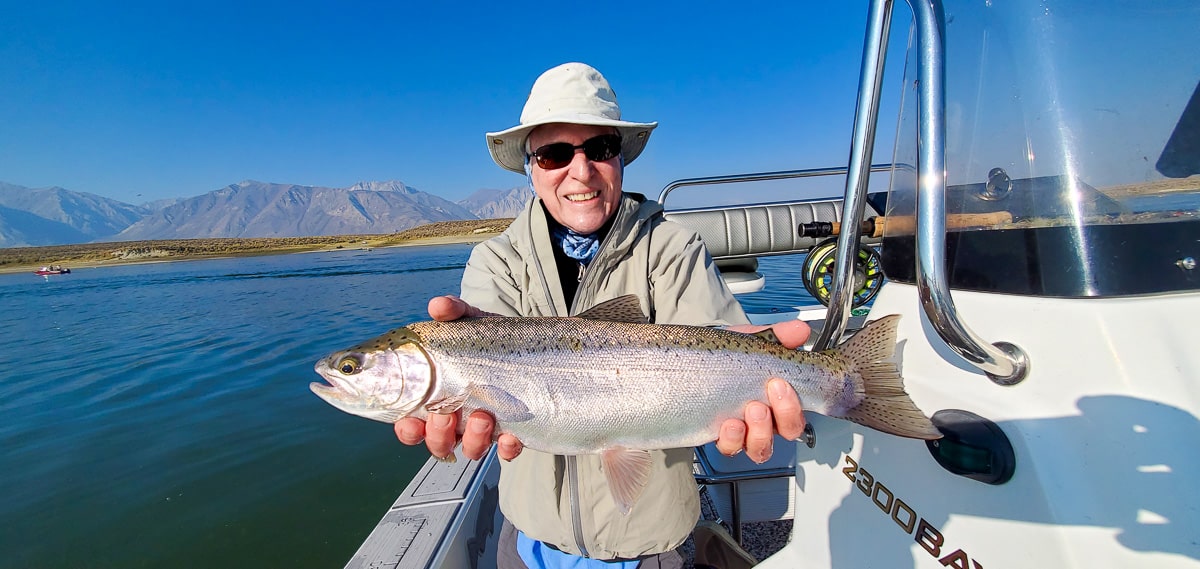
{"x":581,"y":166}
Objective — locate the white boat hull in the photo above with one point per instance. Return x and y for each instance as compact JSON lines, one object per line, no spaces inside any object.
{"x":1104,"y":430}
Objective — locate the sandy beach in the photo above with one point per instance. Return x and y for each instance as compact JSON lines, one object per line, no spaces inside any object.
{"x":86,"y":255}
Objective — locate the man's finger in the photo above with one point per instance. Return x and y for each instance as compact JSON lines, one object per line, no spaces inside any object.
{"x":786,"y":409}
{"x":440,"y":435}
{"x":508,"y":447}
{"x":760,"y":432}
{"x":410,"y":431}
{"x":447,"y":308}
{"x":791,"y":333}
{"x":731,"y":439}
{"x":450,"y":307}
{"x":477,"y":437}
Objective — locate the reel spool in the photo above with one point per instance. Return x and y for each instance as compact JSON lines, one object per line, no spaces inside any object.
{"x":818,"y":273}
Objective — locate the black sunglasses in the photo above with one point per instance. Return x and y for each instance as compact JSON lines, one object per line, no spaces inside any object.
{"x":559,"y":154}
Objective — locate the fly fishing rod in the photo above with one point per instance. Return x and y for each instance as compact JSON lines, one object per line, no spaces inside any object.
{"x":819,"y":268}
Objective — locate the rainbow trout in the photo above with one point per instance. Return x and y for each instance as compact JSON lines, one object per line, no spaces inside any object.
{"x":606,"y":382}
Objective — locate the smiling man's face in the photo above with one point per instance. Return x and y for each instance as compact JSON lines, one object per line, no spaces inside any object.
{"x":584,"y":194}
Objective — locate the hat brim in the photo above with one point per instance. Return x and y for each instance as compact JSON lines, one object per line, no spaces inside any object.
{"x":508,"y":146}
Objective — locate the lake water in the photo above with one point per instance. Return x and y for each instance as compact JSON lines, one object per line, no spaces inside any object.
{"x":159,"y":415}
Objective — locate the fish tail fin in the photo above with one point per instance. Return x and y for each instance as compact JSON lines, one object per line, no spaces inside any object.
{"x":886,"y":406}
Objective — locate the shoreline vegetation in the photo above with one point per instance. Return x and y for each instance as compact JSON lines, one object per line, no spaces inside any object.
{"x":81,"y":255}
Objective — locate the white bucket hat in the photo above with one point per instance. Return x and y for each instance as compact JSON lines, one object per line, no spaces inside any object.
{"x":571,"y":93}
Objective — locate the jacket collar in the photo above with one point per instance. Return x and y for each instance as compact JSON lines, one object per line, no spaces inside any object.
{"x":632,"y":214}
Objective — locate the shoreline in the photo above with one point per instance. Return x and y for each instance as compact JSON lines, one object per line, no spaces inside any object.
{"x":111,"y":254}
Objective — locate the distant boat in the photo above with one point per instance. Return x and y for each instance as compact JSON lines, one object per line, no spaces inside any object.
{"x":53,"y":270}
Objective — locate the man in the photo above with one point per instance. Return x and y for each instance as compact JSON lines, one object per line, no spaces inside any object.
{"x":582,"y":241}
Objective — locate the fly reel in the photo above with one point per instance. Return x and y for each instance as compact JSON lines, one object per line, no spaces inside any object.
{"x":819,"y":270}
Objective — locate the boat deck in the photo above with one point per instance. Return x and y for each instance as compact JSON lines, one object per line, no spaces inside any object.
{"x":413,"y":533}
{"x":448,"y":516}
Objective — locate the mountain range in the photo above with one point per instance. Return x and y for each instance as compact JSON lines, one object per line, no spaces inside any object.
{"x":57,"y":216}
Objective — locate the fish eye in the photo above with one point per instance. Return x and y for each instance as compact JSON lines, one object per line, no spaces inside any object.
{"x":349,"y":365}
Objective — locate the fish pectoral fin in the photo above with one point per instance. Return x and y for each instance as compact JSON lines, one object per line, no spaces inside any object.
{"x":504,"y":406}
{"x":627,"y":471}
{"x":447,"y":405}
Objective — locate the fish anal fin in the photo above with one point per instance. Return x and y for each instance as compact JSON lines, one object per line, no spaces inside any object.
{"x":621,"y":309}
{"x":627,"y":472}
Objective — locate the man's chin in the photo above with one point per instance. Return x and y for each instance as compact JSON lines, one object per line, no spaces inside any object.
{"x":580,"y":219}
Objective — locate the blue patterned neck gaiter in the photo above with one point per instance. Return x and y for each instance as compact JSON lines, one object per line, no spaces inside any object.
{"x":529,"y":175}
{"x":577,"y":246}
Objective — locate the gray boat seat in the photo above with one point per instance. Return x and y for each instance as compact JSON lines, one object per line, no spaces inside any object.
{"x":736,"y":236}
{"x":741,"y":274}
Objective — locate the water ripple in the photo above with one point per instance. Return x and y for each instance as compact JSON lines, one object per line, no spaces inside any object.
{"x":170,"y":402}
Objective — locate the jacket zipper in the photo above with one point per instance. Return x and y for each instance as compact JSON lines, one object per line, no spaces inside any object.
{"x":576,"y":520}
{"x":572,"y":467}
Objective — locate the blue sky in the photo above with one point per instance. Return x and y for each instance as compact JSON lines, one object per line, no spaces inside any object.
{"x":145,"y":100}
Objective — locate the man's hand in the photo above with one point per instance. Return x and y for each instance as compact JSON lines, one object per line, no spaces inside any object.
{"x":785,"y":415}
{"x":440,"y":432}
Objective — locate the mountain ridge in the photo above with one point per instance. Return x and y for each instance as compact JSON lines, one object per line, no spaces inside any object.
{"x":246,"y":209}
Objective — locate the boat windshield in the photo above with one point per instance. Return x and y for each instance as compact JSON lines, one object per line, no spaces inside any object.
{"x":1072,"y":149}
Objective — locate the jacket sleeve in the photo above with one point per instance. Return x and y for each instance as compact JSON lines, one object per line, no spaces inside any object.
{"x":489,"y":282}
{"x":684,"y":281}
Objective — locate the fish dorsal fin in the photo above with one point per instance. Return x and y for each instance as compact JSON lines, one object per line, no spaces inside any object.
{"x":627,"y":471}
{"x":767,"y":335}
{"x":621,"y":309}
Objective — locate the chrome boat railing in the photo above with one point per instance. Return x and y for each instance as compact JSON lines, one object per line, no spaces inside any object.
{"x":1003,"y":362}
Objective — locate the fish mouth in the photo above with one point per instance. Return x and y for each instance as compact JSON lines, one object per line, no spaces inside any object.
{"x":336,"y":388}
{"x":325,"y":391}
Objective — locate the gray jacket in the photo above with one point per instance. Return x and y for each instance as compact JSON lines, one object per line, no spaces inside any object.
{"x":564,"y":501}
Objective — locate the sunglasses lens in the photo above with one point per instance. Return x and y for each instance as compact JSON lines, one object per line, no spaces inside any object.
{"x":596,"y":149}
{"x":554,"y":156}
{"x":601,"y":148}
